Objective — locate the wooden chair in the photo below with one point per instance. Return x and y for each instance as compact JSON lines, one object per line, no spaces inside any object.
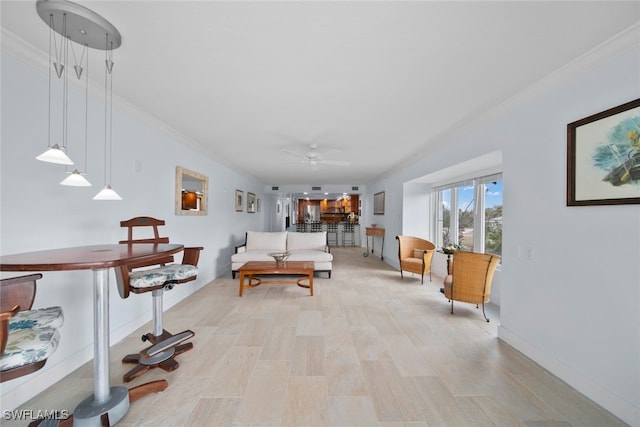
{"x":156,"y":278}
{"x":470,"y":278}
{"x":415,"y":255}
{"x":28,"y":336}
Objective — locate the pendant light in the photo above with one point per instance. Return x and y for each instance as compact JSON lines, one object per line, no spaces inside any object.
{"x":55,"y":153}
{"x":77,"y":179}
{"x":107,"y":193}
{"x":88,"y":29}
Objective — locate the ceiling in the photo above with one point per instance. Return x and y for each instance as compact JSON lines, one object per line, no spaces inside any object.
{"x":374,"y":83}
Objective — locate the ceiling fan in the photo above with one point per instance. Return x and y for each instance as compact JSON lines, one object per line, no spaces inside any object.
{"x":313,"y":157}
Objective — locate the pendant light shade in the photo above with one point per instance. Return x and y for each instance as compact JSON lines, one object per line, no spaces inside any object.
{"x":107,"y":193}
{"x":76,"y":180}
{"x":55,"y":154}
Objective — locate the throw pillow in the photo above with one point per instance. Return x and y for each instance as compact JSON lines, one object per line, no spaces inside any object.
{"x":418,"y":253}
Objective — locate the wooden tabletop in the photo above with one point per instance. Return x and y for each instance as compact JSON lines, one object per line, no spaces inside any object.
{"x":86,"y":257}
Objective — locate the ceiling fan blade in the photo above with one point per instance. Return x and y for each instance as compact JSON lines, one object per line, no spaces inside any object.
{"x":336,"y":162}
{"x":296,"y":154}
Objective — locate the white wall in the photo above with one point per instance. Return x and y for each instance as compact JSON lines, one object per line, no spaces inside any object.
{"x":37,"y":213}
{"x":575,"y":307}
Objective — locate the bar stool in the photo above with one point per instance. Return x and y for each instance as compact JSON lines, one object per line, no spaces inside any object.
{"x":316,"y":226}
{"x":332,"y":228}
{"x":348,"y":234}
{"x":301,"y":227}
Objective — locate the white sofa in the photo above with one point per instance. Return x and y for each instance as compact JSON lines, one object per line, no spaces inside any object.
{"x":301,"y":246}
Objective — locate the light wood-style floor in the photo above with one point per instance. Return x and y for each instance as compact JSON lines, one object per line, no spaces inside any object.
{"x":369,"y":349}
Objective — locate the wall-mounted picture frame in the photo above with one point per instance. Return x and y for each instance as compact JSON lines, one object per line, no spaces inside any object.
{"x":251,"y":202}
{"x":378,"y":203}
{"x":239,"y":200}
{"x":191,"y":192}
{"x":603,"y":157}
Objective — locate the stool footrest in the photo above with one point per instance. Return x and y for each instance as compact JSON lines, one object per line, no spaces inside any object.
{"x":166,"y":344}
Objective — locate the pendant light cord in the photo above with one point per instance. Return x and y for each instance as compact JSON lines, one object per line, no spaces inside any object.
{"x":50,"y":42}
{"x":65,"y":91}
{"x":110,"y":111}
{"x":86,"y":114}
{"x":106,"y":100}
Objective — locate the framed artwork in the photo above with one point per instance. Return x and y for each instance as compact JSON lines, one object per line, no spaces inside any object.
{"x":378,"y":203}
{"x":239,"y":200}
{"x":603,"y":157}
{"x":251,"y":202}
{"x":191,"y":192}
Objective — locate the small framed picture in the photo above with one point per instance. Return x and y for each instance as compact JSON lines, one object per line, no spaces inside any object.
{"x":378,"y":203}
{"x":251,"y":203}
{"x":239,"y":200}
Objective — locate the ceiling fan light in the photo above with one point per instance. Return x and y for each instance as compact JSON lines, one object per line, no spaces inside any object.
{"x":76,"y":180}
{"x":55,"y":154}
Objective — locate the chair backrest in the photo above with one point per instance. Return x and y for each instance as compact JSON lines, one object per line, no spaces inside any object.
{"x":472,"y":275}
{"x":149,"y":227}
{"x":145,"y":225}
{"x":407,"y":245}
{"x":19,"y":291}
{"x":347,"y":227}
{"x":190,"y":255}
{"x":301,"y":227}
{"x":332,"y":227}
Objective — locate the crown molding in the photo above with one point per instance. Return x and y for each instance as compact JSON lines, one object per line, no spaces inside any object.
{"x":620,"y":44}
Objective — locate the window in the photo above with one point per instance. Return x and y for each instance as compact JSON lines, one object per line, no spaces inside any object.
{"x":473,"y":209}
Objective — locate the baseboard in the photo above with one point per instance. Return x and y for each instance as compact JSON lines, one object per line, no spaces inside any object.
{"x":603,"y":397}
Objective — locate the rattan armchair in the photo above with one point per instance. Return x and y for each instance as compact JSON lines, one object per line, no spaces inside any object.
{"x":415,"y":255}
{"x":470,"y":278}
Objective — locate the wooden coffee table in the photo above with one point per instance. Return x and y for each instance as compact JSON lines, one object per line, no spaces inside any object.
{"x":270,"y":268}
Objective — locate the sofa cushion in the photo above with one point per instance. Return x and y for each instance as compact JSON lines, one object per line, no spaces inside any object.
{"x":259,"y":240}
{"x":256,"y":255}
{"x":314,"y":241}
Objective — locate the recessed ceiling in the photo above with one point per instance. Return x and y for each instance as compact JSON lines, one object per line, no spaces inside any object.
{"x":381,"y":81}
